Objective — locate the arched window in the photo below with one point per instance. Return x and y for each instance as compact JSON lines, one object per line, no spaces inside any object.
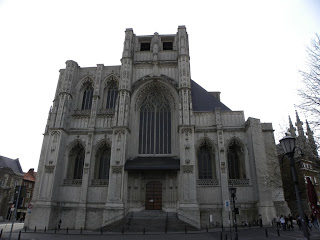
{"x":206,"y":163}
{"x":155,"y":125}
{"x":87,"y":97}
{"x":4,"y":180}
{"x":102,"y":162}
{"x":76,"y":160}
{"x":236,"y":161}
{"x":112,"y":95}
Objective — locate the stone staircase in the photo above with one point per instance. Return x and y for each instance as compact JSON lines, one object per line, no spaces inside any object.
{"x":149,"y":221}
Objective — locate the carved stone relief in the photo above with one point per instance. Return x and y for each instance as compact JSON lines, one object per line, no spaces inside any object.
{"x":187,"y":169}
{"x":49,"y":169}
{"x":116,"y":169}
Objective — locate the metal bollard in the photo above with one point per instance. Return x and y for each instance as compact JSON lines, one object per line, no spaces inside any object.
{"x":45,"y":229}
{"x":207,"y":228}
{"x":144,"y":231}
{"x":185,"y":229}
{"x":122,"y":230}
{"x":67,"y":230}
{"x":1,"y":232}
{"x":267,"y":233}
{"x":81,"y":230}
{"x":19,"y":235}
{"x":236,"y":238}
{"x":35,"y":228}
{"x":221,"y":236}
{"x":101,"y":230}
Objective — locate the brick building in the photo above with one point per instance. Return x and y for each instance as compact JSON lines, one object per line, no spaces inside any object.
{"x":11,"y":175}
{"x":307,"y":165}
{"x":29,"y":179}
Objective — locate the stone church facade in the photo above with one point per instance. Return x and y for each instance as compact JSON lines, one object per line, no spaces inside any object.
{"x":143,"y":135}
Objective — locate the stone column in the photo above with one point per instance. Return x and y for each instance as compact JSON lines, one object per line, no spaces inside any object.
{"x":225,"y":196}
{"x":115,"y":206}
{"x":188,"y":206}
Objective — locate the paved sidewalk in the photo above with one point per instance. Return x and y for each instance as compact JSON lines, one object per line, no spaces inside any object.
{"x":215,"y":234}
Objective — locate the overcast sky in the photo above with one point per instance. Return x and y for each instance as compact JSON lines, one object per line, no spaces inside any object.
{"x":250,"y":51}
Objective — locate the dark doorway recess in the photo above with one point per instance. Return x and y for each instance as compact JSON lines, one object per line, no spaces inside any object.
{"x":153,"y":196}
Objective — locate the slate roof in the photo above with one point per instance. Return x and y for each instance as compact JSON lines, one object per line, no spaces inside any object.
{"x":203,"y":101}
{"x":14,"y":164}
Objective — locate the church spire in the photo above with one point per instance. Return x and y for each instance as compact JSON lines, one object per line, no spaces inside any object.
{"x":292,"y":129}
{"x":299,"y":125}
{"x":311,"y":142}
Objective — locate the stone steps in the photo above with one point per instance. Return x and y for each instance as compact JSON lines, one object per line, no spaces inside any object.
{"x":149,"y":221}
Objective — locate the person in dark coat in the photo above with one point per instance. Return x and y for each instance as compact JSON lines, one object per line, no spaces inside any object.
{"x":59,"y":224}
{"x":290,"y":220}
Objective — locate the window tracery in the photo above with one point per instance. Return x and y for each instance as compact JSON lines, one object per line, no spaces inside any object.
{"x":111,"y":95}
{"x":102,"y":166}
{"x":87,"y":96}
{"x":206,"y":162}
{"x":76,"y":161}
{"x":155,"y":125}
{"x":236,"y":166}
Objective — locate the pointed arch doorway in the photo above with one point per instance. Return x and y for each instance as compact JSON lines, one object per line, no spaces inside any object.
{"x":154,"y":195}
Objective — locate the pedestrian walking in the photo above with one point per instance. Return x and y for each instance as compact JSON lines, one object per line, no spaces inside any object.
{"x":290,"y":220}
{"x":283,"y":222}
{"x":59,"y":224}
{"x":308,"y":222}
{"x":278,"y":222}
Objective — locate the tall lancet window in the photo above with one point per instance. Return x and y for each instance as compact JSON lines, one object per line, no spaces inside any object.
{"x":236,"y":164}
{"x":206,"y":163}
{"x":87,"y":97}
{"x":112,"y":96}
{"x":155,"y":125}
{"x":103,"y":162}
{"x":76,"y":161}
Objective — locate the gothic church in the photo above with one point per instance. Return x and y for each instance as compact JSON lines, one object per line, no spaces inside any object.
{"x":144,"y":136}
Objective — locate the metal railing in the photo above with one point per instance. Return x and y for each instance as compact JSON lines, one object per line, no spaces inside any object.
{"x":239,"y":182}
{"x":100,"y":182}
{"x":72,"y":182}
{"x":207,"y":182}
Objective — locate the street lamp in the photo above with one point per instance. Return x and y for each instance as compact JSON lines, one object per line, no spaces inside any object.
{"x":288,"y":144}
{"x":233,"y":195}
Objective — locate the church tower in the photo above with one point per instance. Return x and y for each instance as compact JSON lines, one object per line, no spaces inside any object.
{"x":143,"y":135}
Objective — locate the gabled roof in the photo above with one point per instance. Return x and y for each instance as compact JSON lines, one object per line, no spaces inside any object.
{"x":14,"y":164}
{"x":30,"y":175}
{"x":203,"y":101}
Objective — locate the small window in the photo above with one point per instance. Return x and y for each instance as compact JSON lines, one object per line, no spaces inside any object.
{"x":145,"y":46}
{"x":167,"y":45}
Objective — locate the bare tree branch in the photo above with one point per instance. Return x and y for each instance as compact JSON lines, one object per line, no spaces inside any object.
{"x":310,"y":92}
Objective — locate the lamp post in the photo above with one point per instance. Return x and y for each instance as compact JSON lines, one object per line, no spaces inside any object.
{"x":233,"y":195}
{"x":288,"y":144}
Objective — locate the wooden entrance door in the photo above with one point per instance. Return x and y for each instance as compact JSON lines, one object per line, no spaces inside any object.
{"x":153,"y":196}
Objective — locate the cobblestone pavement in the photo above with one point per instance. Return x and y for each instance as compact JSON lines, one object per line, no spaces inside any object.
{"x":216,"y":234}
